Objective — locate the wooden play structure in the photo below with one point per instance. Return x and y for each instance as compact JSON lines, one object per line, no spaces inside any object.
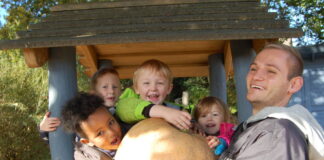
{"x":214,"y":38}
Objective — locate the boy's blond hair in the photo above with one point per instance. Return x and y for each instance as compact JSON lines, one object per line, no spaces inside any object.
{"x":154,"y":66}
{"x":205,"y":105}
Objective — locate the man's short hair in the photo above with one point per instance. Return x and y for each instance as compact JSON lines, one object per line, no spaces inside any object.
{"x":296,"y":64}
{"x":78,"y":109}
{"x":155,"y":66}
{"x":100,"y":73}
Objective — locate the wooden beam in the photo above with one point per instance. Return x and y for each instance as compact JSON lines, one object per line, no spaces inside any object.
{"x":170,"y":58}
{"x":162,"y":47}
{"x":178,"y":71}
{"x":228,"y":60}
{"x":88,"y":58}
{"x":258,"y":44}
{"x":190,"y":70}
{"x":35,"y":57}
{"x":88,"y":72}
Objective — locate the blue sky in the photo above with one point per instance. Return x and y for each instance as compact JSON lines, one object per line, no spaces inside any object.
{"x":2,"y":14}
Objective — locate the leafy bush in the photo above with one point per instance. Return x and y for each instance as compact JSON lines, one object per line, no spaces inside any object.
{"x":20,"y":84}
{"x":19,"y":138}
{"x":29,"y":88}
{"x":198,"y":88}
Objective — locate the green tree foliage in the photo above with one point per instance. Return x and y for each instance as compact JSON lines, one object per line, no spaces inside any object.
{"x":231,"y":95}
{"x":306,"y":14}
{"x":28,"y":88}
{"x":20,"y":84}
{"x":24,"y":86}
{"x":197,"y":87}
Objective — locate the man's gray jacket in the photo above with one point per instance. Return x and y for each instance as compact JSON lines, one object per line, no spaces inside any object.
{"x":278,"y":133}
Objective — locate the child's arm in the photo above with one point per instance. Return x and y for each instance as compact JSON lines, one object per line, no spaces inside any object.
{"x":220,"y":148}
{"x":180,"y":119}
{"x":226,"y":131}
{"x":49,"y":124}
{"x":217,"y":144}
{"x":131,"y":109}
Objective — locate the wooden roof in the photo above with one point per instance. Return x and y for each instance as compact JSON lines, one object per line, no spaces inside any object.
{"x":182,"y":33}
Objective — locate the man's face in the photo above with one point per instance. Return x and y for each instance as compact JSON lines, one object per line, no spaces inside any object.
{"x":267,"y":80}
{"x":153,"y":87}
{"x":108,"y":87}
{"x":102,"y":130}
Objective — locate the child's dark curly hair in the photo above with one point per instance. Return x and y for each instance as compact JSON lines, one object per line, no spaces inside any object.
{"x":78,"y":109}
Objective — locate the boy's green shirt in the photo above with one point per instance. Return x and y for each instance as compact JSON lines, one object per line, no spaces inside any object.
{"x":130,"y":106}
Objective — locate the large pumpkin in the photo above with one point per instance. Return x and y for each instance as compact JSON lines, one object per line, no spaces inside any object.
{"x":155,"y":139}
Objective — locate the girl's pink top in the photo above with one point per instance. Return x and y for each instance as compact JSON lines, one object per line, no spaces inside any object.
{"x":226,"y":131}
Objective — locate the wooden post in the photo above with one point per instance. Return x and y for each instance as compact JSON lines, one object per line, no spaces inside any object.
{"x":217,"y":77}
{"x":62,"y":87}
{"x":243,"y":55}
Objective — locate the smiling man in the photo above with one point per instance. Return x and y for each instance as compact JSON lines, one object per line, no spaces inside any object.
{"x":275,"y":131}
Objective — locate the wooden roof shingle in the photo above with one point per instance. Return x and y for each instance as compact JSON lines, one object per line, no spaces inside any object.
{"x":125,"y":24}
{"x":152,"y":20}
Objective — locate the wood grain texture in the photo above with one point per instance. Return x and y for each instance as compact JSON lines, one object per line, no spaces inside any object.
{"x":35,"y":57}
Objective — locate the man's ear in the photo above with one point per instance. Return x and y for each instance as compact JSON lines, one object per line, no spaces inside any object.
{"x":295,"y":84}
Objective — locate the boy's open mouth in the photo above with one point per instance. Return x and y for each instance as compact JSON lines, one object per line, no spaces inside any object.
{"x":110,"y":98}
{"x":153,"y":97}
